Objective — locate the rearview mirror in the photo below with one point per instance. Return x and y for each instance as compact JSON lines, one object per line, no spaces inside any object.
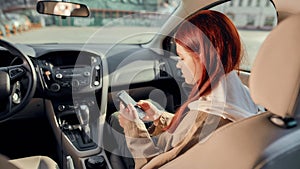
{"x":62,"y":8}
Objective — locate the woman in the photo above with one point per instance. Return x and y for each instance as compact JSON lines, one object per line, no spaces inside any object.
{"x":209,"y":48}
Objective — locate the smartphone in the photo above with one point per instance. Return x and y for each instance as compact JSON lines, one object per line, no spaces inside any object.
{"x":126,"y":99}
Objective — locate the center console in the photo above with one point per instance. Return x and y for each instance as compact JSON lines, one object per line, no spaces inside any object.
{"x":78,"y":78}
{"x":73,"y":88}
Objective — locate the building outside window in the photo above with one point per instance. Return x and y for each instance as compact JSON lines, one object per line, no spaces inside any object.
{"x":241,"y":3}
{"x":257,"y":3}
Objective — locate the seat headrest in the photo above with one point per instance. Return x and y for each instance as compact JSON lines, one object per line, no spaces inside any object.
{"x":275,"y":76}
{"x":286,"y":8}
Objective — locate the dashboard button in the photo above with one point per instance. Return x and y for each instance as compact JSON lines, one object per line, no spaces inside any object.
{"x":55,"y":87}
{"x":96,"y":83}
{"x":61,"y":107}
{"x":59,"y":76}
{"x":75,"y":83}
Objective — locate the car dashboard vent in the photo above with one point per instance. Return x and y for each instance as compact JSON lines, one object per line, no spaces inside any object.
{"x":96,"y":81}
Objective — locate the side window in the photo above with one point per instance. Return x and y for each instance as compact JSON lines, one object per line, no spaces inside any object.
{"x":254,"y":20}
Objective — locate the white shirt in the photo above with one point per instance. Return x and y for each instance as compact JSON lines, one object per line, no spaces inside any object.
{"x":230,"y":99}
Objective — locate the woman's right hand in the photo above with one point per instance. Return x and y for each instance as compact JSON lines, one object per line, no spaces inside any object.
{"x":152,"y":112}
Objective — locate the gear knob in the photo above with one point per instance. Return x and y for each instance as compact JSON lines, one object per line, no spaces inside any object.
{"x":83,"y":114}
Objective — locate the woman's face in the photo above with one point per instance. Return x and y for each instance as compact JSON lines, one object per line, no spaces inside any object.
{"x":187,"y":65}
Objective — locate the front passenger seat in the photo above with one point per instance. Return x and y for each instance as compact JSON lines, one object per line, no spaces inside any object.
{"x":34,"y":162}
{"x":269,"y":140}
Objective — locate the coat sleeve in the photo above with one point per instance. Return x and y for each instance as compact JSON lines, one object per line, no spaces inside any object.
{"x":162,"y":122}
{"x":139,"y":141}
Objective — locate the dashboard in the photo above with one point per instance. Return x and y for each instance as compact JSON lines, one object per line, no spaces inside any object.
{"x":76,"y":86}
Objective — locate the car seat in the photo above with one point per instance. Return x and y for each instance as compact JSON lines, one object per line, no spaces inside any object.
{"x":33,"y":162}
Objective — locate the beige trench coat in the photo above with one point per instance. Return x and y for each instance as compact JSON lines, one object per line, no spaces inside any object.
{"x":155,"y":149}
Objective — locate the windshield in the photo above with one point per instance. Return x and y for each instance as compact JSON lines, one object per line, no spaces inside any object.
{"x":110,"y":21}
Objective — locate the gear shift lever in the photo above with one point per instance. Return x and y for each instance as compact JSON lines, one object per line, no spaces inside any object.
{"x":83,"y":114}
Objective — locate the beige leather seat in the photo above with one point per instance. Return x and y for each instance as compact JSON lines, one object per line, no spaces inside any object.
{"x":269,"y":140}
{"x":34,"y":162}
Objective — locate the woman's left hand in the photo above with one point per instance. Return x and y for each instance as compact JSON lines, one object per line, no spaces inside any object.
{"x":127,"y":114}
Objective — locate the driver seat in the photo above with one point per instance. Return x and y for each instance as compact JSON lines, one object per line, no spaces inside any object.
{"x":34,"y":162}
{"x":269,"y":140}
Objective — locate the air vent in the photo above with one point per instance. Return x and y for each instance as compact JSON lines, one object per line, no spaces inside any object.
{"x":96,"y":76}
{"x":163,"y":70}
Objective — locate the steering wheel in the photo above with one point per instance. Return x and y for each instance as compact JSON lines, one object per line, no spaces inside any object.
{"x":17,"y":83}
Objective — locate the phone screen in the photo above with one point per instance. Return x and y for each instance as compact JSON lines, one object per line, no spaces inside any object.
{"x":126,"y":99}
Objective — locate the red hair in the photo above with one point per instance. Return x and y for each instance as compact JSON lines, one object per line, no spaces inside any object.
{"x":214,"y":43}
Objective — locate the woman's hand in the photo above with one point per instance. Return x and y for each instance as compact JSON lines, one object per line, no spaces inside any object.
{"x":127,"y":114}
{"x":152,"y":112}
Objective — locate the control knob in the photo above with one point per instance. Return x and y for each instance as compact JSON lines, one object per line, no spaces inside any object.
{"x":96,"y":162}
{"x":75,"y":83}
{"x":55,"y":87}
{"x":59,"y":76}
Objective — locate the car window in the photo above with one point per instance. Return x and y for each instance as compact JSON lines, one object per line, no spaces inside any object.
{"x":110,"y":21}
{"x":254,"y":20}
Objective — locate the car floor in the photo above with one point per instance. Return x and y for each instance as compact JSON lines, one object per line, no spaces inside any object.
{"x":27,"y":137}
